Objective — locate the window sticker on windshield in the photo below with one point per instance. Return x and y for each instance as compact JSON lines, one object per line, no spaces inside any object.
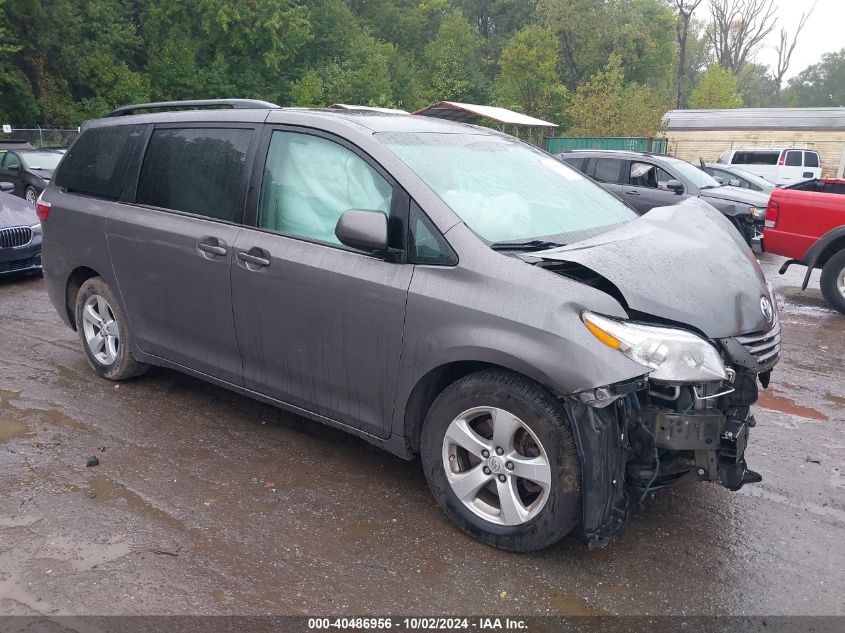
{"x":560,"y":168}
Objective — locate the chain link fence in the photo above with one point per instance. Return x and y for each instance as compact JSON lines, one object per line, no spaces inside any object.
{"x":42,"y":137}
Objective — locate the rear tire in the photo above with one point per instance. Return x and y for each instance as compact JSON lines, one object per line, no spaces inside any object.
{"x":526,"y":493}
{"x":104,"y":332}
{"x":30,"y":194}
{"x":833,"y":281}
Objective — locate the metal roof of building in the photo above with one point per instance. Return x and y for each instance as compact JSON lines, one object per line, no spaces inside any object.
{"x":469,"y":112}
{"x":757,"y":119}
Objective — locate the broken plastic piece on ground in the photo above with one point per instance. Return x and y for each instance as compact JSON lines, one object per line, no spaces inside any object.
{"x":92,"y":461}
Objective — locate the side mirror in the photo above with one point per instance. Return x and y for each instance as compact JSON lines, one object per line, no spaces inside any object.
{"x":6,"y":186}
{"x":363,"y":229}
{"x":719,"y":179}
{"x":675,"y":185}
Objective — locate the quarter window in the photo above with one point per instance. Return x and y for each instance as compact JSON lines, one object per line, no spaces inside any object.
{"x":310,"y":181}
{"x":96,"y":163}
{"x":426,"y":245}
{"x":196,"y":170}
{"x":811,"y":159}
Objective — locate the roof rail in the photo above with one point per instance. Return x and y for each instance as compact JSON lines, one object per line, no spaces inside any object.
{"x":238,"y":104}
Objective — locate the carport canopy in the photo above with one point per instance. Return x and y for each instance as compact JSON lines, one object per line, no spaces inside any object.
{"x":470,"y":113}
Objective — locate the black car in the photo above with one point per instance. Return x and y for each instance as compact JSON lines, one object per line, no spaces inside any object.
{"x":29,"y":170}
{"x":20,"y":234}
{"x":646,"y":181}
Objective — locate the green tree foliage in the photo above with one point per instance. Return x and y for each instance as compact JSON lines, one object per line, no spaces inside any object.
{"x":454,"y":63}
{"x":820,"y":85}
{"x":717,"y":88}
{"x":757,"y":87}
{"x":528,"y":81}
{"x":607,"y":106}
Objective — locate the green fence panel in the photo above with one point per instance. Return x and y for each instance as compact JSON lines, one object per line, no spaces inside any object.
{"x":557,"y":144}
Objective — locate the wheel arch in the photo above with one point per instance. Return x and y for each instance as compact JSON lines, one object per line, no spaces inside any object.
{"x":77,"y":277}
{"x":432,"y":383}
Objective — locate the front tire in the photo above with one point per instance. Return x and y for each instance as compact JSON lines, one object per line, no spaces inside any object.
{"x":833,"y":281}
{"x":31,"y":195}
{"x":104,"y":332}
{"x":499,"y":456}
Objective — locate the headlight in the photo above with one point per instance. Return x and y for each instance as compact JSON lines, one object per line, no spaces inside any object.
{"x":757,"y":212}
{"x":36,"y":229}
{"x":671,"y":355}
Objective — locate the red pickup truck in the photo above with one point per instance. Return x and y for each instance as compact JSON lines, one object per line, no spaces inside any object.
{"x":806,"y":222}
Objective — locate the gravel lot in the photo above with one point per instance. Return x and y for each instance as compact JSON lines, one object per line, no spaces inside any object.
{"x":208,"y":502}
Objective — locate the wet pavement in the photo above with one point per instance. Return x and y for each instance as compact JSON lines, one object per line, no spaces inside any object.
{"x":207,"y":502}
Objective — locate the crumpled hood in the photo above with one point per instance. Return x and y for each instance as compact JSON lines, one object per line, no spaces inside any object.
{"x":738,"y":195}
{"x":685,"y":263}
{"x":16,"y":211}
{"x":46,"y":174}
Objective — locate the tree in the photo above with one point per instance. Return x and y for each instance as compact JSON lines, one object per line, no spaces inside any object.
{"x":606,"y":106}
{"x":717,"y":88}
{"x":682,"y":28}
{"x":454,"y":62}
{"x":819,"y":85}
{"x":737,"y":29}
{"x":785,"y":47}
{"x":756,"y":86}
{"x":528,"y":81}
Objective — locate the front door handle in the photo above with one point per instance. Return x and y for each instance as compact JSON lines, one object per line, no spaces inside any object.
{"x":212,"y":247}
{"x":632,"y":192}
{"x":255,"y":256}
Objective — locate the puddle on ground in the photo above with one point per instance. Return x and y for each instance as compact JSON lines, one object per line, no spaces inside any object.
{"x":102,"y":488}
{"x":786,"y":405}
{"x":12,"y":428}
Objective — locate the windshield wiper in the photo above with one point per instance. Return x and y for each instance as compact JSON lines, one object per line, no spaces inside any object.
{"x":531,"y":245}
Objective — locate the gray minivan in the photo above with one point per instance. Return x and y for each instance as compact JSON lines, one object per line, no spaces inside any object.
{"x":436,"y":288}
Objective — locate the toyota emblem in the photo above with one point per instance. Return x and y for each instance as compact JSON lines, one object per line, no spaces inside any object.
{"x":766,"y":308}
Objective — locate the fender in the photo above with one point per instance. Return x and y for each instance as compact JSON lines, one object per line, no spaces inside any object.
{"x":814,"y":253}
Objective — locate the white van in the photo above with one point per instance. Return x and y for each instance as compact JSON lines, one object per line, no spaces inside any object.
{"x":781,"y":166}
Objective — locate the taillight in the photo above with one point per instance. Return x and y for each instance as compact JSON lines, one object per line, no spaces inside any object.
{"x":772,"y":214}
{"x":782,"y":158}
{"x":42,"y":209}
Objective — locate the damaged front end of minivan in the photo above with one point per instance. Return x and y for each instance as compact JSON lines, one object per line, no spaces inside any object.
{"x":688,"y":417}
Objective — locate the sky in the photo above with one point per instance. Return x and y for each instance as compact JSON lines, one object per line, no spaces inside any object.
{"x":823,"y":33}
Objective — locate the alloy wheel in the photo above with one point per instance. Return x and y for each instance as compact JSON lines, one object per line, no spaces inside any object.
{"x":31,"y":196}
{"x":101,"y":332}
{"x":496,"y":466}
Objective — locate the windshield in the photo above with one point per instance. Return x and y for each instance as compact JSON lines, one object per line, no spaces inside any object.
{"x":693,"y":174}
{"x":753,"y":178}
{"x":506,"y":190}
{"x":41,"y":160}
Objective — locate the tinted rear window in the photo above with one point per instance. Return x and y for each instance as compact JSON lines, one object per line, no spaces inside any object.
{"x":195,"y":170}
{"x":756,"y":158}
{"x":606,"y":170}
{"x":811,"y":159}
{"x":96,"y":163}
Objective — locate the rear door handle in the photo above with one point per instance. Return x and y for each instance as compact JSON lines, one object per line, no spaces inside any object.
{"x":212,"y":247}
{"x":631,"y":192}
{"x":255,"y":256}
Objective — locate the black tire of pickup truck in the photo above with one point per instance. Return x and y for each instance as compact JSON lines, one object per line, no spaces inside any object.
{"x":832,"y":272}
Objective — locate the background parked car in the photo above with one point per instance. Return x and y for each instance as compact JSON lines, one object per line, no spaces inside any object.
{"x":737,"y":177}
{"x":29,"y":170}
{"x":646,"y":181}
{"x":779,"y":165}
{"x":20,"y":234}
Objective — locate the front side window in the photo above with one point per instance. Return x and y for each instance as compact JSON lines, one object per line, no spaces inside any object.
{"x":648,"y":175}
{"x":507,"y":190}
{"x":195,"y":170}
{"x":310,"y":181}
{"x":11,"y":160}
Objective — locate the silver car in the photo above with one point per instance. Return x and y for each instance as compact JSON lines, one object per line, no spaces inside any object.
{"x":438,"y":289}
